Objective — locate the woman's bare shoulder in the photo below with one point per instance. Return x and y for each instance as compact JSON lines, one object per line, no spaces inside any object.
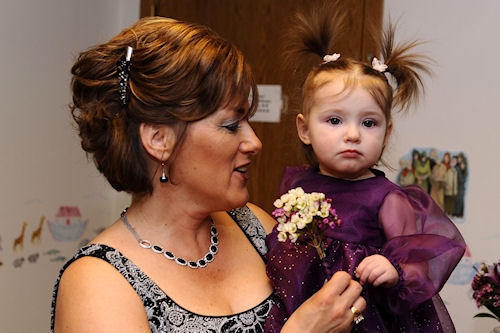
{"x":94,"y":297}
{"x":267,"y":220}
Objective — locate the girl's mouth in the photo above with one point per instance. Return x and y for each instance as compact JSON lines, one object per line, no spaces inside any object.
{"x":350,"y":153}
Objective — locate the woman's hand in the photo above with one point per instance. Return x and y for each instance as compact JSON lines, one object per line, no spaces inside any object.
{"x":328,"y":310}
{"x":378,"y":271}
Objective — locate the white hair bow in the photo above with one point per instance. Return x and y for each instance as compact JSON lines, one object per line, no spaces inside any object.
{"x":330,"y":57}
{"x":378,"y":65}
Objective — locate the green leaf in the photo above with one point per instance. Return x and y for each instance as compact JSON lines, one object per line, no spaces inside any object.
{"x":485,"y":315}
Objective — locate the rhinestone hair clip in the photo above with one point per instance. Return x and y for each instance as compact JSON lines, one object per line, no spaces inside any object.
{"x":123,"y":70}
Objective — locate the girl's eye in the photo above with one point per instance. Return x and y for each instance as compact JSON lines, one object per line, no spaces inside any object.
{"x":334,"y":121}
{"x":232,"y":127}
{"x":369,"y":123}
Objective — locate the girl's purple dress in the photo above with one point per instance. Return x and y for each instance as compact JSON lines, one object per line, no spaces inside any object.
{"x":378,"y":217}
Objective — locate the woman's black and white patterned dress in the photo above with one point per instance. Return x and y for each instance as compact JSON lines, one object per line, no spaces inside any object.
{"x":163,"y":313}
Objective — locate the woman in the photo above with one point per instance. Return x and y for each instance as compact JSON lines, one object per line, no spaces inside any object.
{"x":163,"y":109}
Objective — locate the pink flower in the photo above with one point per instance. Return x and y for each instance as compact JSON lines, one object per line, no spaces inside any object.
{"x":493,"y":273}
{"x":486,"y":288}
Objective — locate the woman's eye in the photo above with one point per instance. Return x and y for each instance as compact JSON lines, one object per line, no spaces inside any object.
{"x":233,"y":127}
{"x":369,"y":123}
{"x":334,"y":121}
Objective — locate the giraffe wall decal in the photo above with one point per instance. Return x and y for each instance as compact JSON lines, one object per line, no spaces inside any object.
{"x":19,"y":241}
{"x":37,"y":233}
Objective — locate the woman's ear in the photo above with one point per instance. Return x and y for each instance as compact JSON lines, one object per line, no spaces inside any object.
{"x":157,"y":140}
{"x":302,"y":129}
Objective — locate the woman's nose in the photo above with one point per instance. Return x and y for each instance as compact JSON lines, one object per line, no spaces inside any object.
{"x":250,"y":143}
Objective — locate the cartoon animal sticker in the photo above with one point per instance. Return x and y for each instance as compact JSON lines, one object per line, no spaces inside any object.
{"x":18,"y":262}
{"x":58,"y":258}
{"x":19,"y":241}
{"x":33,"y":258}
{"x":36,"y":235}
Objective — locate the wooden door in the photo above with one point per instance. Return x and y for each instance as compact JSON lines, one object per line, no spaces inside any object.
{"x":255,"y":26}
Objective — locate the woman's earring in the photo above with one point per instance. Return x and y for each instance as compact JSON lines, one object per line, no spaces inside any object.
{"x":163,"y":178}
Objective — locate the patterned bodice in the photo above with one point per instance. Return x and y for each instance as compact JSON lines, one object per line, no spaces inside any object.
{"x":163,"y":313}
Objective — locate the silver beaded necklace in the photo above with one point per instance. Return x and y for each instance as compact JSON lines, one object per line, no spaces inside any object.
{"x":200,"y":263}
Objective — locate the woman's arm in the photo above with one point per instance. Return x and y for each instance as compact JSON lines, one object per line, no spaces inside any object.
{"x":94,"y":297}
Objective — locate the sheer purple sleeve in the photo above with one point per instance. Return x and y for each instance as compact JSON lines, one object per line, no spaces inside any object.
{"x":422,"y":243}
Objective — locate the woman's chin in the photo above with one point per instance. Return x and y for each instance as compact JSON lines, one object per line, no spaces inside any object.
{"x":238,"y":201}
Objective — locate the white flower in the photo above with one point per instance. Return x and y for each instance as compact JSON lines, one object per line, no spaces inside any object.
{"x":278,"y":203}
{"x":300,"y":191}
{"x":282,"y":237}
{"x":378,"y":65}
{"x":330,"y":57}
{"x":325,"y":205}
{"x":313,"y":210}
{"x":301,"y":224}
{"x":295,"y":210}
{"x":324,"y":213}
{"x":301,"y":203}
{"x":291,"y":228}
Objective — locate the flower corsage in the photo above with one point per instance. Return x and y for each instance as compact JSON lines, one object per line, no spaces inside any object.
{"x":305,"y":216}
{"x":486,"y":286}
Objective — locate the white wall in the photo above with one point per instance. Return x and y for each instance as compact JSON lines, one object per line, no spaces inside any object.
{"x":460,"y":113}
{"x":42,"y":165}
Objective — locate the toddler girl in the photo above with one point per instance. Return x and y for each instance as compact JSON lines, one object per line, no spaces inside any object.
{"x":396,"y":241}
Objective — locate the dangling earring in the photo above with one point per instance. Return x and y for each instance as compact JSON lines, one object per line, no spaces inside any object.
{"x":163,"y":178}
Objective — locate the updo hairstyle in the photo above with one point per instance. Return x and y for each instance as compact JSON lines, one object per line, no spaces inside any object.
{"x":180,"y":73}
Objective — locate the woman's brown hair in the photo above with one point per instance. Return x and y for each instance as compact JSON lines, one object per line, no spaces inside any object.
{"x":180,"y":72}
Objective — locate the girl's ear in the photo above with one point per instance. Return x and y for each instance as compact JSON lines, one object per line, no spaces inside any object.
{"x":302,"y":129}
{"x":388,"y":132}
{"x":157,"y":140}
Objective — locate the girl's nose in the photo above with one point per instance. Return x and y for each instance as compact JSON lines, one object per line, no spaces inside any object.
{"x":250,"y":143}
{"x":352,"y":134}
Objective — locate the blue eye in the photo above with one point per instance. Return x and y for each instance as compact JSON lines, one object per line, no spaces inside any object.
{"x":334,"y":121}
{"x":369,"y":123}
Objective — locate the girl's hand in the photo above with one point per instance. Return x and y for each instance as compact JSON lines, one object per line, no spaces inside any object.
{"x":378,"y":271}
{"x":328,"y":310}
